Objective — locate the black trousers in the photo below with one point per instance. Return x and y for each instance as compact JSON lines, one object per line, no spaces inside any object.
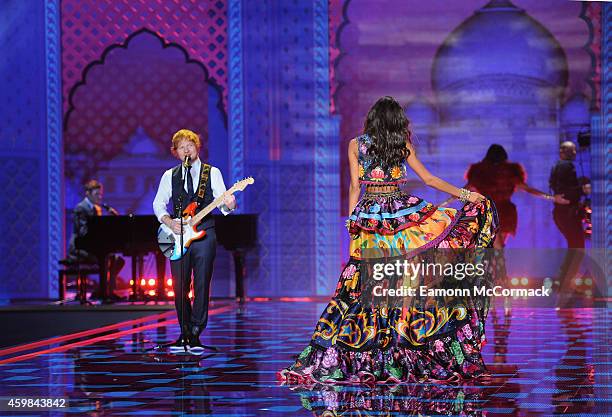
{"x":198,"y":260}
{"x":569,"y":221}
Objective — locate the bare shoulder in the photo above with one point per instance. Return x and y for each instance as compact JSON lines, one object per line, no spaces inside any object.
{"x":353,"y":146}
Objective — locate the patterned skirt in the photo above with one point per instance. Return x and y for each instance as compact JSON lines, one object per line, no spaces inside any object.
{"x":364,"y":342}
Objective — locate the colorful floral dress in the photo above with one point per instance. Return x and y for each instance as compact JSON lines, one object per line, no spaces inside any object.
{"x":359,"y":342}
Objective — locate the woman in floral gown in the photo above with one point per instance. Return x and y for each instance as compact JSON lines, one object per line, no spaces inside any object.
{"x":357,"y":341}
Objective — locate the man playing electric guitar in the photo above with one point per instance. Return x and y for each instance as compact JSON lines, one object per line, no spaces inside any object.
{"x":202,"y":184}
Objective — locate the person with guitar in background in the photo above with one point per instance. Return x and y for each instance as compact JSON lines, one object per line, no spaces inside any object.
{"x":91,"y":206}
{"x":203,"y":184}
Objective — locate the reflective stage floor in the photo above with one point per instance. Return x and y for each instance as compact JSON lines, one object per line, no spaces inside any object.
{"x":543,"y":361}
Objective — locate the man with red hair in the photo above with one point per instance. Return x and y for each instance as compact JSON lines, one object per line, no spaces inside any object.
{"x":203,"y":183}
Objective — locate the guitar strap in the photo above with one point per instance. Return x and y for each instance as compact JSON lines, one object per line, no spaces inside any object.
{"x":204,"y":173}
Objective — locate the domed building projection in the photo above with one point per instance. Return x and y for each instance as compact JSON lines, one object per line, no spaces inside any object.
{"x":499,"y":77}
{"x":575,"y":117}
{"x":423,"y":121}
{"x":423,"y":118}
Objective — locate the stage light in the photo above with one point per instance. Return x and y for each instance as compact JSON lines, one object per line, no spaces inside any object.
{"x":296,"y":299}
{"x":151,"y":282}
{"x":151,"y":292}
{"x":578,"y":281}
{"x":588,"y":293}
{"x":514,"y":281}
{"x":169,"y":282}
{"x":588,"y":281}
{"x":143,"y":282}
{"x":170,"y":293}
{"x":131,"y":282}
{"x":525,"y":281}
{"x":190,"y":295}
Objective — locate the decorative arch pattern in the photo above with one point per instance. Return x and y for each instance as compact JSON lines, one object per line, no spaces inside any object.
{"x":143,"y":83}
{"x":89,"y":26}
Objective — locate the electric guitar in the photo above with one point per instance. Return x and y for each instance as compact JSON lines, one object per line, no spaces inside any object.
{"x":170,"y":242}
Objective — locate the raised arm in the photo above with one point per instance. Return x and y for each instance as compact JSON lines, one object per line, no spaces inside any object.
{"x":521,"y":184}
{"x":354,"y":187}
{"x":434,"y":182}
{"x":468,"y":186}
{"x":558,"y":198}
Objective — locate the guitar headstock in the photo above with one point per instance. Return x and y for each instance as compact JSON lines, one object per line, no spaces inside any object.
{"x":242,"y":184}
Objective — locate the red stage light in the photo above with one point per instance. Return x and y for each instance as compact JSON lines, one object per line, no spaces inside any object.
{"x":143,"y":282}
{"x":296,"y":299}
{"x":169,"y":282}
{"x":151,"y":282}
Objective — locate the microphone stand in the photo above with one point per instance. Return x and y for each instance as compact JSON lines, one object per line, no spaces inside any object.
{"x":182,"y":260}
{"x":214,"y":349}
{"x":188,"y":161}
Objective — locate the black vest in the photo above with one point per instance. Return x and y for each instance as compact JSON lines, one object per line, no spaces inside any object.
{"x":178,"y":192}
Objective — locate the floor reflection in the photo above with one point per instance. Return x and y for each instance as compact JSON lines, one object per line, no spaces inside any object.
{"x":542,"y":361}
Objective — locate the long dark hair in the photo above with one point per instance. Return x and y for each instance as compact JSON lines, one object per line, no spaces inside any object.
{"x":387,"y":125}
{"x":496,"y":154}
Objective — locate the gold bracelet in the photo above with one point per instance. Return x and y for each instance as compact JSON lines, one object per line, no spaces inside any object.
{"x":464,"y":195}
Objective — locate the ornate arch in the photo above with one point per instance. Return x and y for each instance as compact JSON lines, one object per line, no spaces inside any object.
{"x":161,"y":90}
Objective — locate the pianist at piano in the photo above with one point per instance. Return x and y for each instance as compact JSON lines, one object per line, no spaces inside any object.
{"x":91,"y":206}
{"x":203,"y":183}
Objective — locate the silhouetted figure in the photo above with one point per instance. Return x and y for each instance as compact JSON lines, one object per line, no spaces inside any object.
{"x":498,"y":179}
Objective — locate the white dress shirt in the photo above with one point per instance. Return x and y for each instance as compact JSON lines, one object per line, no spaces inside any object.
{"x":164,"y":192}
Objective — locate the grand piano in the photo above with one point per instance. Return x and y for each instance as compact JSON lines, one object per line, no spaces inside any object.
{"x":136,"y":236}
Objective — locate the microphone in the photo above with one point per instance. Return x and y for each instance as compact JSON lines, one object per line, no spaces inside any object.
{"x":110,"y":209}
{"x":187,"y":161}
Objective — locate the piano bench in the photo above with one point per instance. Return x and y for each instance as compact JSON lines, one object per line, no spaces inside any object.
{"x":81,"y":271}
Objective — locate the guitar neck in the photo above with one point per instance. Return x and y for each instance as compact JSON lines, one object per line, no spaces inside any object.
{"x":198,"y":217}
{"x":238,"y":186}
